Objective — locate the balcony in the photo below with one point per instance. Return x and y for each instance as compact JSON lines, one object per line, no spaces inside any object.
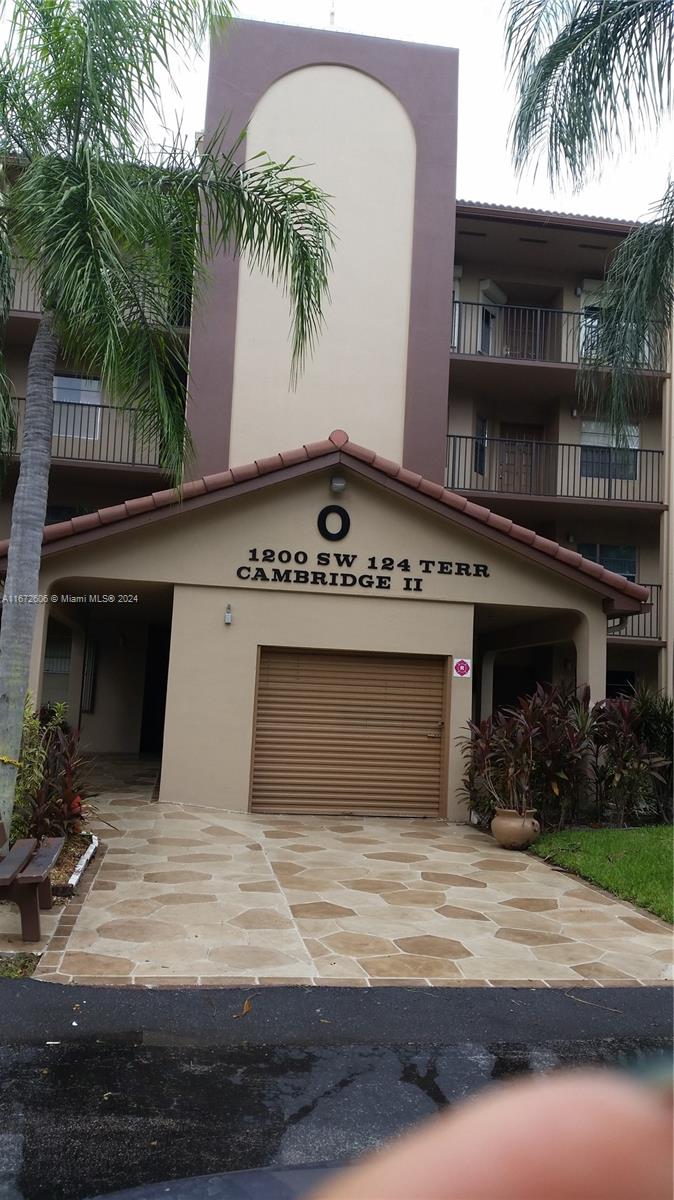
{"x":641,"y":625}
{"x":26,"y":299}
{"x":96,"y":433}
{"x":529,"y":334}
{"x":560,"y":470}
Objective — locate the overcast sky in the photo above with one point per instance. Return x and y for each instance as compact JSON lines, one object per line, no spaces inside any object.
{"x":626,"y":187}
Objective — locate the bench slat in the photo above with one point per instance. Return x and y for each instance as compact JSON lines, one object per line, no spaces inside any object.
{"x":20,"y":854}
{"x":40,"y":866}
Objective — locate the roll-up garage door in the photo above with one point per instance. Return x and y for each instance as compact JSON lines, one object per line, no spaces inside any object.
{"x":348,"y":733}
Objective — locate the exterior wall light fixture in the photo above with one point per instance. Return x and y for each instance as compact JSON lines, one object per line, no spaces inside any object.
{"x":228,"y":615}
{"x":337,"y":484}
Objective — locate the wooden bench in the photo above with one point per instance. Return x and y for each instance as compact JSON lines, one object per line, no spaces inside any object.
{"x":25,"y":878}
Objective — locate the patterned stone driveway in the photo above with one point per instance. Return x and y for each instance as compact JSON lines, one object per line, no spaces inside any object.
{"x":184,"y":895}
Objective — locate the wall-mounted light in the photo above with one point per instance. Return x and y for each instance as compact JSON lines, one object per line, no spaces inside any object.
{"x":228,"y":615}
{"x":574,"y":413}
{"x":337,"y":484}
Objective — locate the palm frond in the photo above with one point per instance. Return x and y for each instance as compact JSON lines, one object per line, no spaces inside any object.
{"x":92,"y":67}
{"x":264,"y":210}
{"x":590,"y":74}
{"x":636,"y":305}
{"x":102,"y":250}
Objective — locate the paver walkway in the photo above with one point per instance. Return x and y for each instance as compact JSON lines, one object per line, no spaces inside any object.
{"x":184,"y":895}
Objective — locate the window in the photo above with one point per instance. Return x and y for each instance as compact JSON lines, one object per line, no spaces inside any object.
{"x":76,"y":407}
{"x":621,"y":559}
{"x":57,"y":656}
{"x":480,"y":451}
{"x":602,"y":458}
{"x":89,"y":671}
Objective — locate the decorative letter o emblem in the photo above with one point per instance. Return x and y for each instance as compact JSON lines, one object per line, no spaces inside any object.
{"x":322,"y":522}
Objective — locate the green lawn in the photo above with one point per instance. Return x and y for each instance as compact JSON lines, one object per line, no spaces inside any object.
{"x":634,"y":864}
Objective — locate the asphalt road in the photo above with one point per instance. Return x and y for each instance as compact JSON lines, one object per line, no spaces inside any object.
{"x":105,"y":1089}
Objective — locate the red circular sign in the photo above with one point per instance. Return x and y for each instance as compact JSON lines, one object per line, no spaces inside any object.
{"x":461,"y":667}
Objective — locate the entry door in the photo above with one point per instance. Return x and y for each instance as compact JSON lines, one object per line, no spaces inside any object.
{"x":348,"y":733}
{"x":520,"y":458}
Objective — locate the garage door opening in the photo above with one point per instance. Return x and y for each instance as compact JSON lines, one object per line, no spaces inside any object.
{"x":345,"y":733}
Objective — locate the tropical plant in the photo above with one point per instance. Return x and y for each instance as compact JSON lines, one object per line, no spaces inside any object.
{"x":499,"y":754}
{"x":571,"y":762}
{"x":629,"y":769}
{"x":654,"y":724}
{"x":117,"y":234}
{"x":50,"y":780}
{"x":591,"y":75}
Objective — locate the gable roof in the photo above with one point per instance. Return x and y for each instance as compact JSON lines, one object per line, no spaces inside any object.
{"x":621,"y":596}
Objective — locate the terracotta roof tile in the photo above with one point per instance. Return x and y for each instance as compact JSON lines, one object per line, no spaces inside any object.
{"x":290,"y":458}
{"x":265,"y":465}
{"x":429,"y":488}
{"x":545,"y":213}
{"x":140,"y":504}
{"x":615,"y":581}
{"x":360,"y":452}
{"x":544,"y":544}
{"x":454,"y":500}
{"x":89,"y":521}
{"x":521,"y":534}
{"x":570,"y":557}
{"x":497,"y":521}
{"x":317,"y":449}
{"x":60,"y":529}
{"x":214,"y":483}
{"x":410,"y":478}
{"x":478,"y":511}
{"x":161,"y":499}
{"x":386,"y":465}
{"x":338,"y":439}
{"x":195,"y":487}
{"x":108,"y":516}
{"x":247,"y":471}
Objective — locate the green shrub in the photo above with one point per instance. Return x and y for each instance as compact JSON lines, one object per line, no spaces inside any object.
{"x":49,"y":790}
{"x":610,"y":763}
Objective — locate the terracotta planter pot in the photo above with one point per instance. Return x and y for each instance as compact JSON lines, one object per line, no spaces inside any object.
{"x":513,"y":831}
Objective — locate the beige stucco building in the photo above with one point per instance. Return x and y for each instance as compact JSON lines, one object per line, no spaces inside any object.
{"x":321,"y":652}
{"x":285,"y":657}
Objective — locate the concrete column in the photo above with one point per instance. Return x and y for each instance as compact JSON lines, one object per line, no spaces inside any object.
{"x":460,"y":712}
{"x":487,"y":684}
{"x":589,"y":637}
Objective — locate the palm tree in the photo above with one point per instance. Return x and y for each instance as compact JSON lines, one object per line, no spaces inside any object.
{"x":116,"y":234}
{"x":590,"y":76}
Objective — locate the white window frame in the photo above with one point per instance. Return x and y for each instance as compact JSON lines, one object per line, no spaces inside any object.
{"x":86,"y":395}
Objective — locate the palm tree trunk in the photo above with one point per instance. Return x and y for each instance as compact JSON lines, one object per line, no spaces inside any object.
{"x":23,"y":562}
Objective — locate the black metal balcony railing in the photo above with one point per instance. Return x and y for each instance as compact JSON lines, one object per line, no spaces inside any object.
{"x":562,"y":469}
{"x":531,"y":334}
{"x":26,"y":297}
{"x":641,"y":625}
{"x":96,"y":433}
